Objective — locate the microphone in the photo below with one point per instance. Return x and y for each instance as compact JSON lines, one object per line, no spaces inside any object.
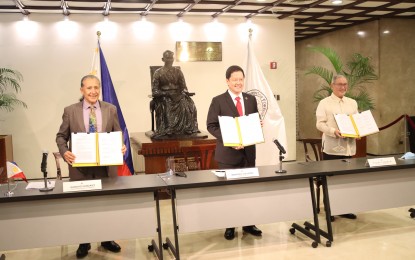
{"x":43,"y":168}
{"x":43,"y":165}
{"x":280,"y":147}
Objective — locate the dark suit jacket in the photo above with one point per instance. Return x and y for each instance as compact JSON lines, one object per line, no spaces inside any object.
{"x":223,"y":105}
{"x":73,"y":121}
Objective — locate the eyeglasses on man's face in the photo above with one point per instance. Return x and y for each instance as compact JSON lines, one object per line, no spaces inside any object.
{"x":341,"y":84}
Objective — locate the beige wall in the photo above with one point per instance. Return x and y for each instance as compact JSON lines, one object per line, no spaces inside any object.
{"x":393,"y":56}
{"x":53,"y":58}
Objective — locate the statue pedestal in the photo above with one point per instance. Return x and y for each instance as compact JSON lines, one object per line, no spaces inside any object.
{"x":155,"y":152}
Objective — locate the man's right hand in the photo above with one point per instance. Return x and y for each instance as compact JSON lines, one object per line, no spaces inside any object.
{"x":69,"y":157}
{"x":338,"y":134}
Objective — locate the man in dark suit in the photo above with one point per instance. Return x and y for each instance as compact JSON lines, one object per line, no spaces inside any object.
{"x":77,"y":119}
{"x":233,"y":103}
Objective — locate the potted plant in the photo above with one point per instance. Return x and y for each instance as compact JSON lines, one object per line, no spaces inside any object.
{"x":9,"y":86}
{"x":359,"y":72}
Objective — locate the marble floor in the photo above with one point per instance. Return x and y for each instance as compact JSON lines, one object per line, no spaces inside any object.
{"x":386,"y":234}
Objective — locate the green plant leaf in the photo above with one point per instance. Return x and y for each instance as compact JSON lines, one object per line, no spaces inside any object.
{"x":9,"y":85}
{"x":359,"y":72}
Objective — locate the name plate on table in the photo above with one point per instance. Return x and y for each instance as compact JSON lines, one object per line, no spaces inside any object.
{"x":242,"y":173}
{"x":82,"y":185}
{"x":381,"y":162}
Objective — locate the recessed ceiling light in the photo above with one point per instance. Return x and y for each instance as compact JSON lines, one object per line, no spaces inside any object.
{"x":386,"y":32}
{"x":361,"y":33}
{"x":336,"y":2}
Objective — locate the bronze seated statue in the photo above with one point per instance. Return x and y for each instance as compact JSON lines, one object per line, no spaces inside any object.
{"x":175,"y":111}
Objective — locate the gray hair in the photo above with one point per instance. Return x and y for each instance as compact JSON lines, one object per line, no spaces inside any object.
{"x":335,"y":77}
{"x":90,"y":76}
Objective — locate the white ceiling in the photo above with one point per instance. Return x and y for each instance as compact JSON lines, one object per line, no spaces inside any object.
{"x":312,"y":17}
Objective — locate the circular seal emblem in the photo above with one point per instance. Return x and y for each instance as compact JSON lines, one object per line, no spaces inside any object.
{"x":261,"y":100}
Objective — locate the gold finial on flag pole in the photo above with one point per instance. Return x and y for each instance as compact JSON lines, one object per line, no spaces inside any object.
{"x":98,"y":34}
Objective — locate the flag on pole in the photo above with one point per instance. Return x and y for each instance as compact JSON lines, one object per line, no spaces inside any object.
{"x":13,"y":171}
{"x":109,"y":95}
{"x":273,"y":121}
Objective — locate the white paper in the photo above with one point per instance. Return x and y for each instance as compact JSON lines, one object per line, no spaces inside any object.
{"x":39,"y":185}
{"x":345,"y":124}
{"x":110,"y":145}
{"x":365,"y":123}
{"x":219,"y":173}
{"x":84,"y":147}
{"x":229,"y":130}
{"x":249,"y":131}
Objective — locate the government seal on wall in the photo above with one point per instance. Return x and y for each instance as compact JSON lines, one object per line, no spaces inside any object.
{"x":261,"y":100}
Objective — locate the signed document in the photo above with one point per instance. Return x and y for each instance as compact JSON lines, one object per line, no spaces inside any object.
{"x":356,"y":125}
{"x":241,"y":131}
{"x":97,"y":149}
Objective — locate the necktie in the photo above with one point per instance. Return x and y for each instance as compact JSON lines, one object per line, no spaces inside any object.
{"x":239,"y":106}
{"x":92,"y":120}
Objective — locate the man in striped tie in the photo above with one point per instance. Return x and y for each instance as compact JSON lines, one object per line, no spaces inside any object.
{"x":88,"y":115}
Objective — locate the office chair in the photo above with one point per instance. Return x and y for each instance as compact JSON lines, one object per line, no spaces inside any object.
{"x":58,"y":157}
{"x":315,"y":144}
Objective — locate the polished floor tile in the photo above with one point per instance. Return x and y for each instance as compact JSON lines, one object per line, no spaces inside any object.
{"x":385,"y":234}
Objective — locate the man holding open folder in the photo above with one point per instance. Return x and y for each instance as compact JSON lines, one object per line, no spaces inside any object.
{"x":88,"y":115}
{"x":334,"y":145}
{"x":233,"y":103}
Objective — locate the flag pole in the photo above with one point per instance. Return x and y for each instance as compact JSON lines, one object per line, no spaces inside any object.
{"x":9,"y":193}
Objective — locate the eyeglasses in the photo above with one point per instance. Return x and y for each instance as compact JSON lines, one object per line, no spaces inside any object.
{"x":341,"y":84}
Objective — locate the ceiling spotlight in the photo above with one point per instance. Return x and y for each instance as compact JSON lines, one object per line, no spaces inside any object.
{"x":386,"y":32}
{"x":336,"y":2}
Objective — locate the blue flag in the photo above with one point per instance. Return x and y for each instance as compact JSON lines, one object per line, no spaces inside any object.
{"x":109,"y":95}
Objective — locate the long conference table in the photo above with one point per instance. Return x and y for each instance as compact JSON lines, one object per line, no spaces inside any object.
{"x":125,"y":208}
{"x":203,"y":201}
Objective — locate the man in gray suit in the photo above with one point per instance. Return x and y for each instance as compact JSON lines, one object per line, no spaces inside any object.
{"x":76,"y":119}
{"x":226,"y":104}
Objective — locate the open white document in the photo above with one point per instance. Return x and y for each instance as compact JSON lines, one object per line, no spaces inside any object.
{"x":241,"y":131}
{"x":356,"y":125}
{"x":97,"y":149}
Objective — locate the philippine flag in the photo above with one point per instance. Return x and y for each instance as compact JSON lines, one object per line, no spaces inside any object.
{"x":13,"y":171}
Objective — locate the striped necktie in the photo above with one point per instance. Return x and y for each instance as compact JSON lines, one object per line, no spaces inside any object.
{"x":92,"y":120}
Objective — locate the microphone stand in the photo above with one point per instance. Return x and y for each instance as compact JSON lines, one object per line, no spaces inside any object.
{"x":45,"y":179}
{"x":281,"y":170}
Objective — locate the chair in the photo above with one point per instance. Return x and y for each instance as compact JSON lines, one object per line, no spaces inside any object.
{"x":315,"y":145}
{"x":58,"y":157}
{"x":202,"y":154}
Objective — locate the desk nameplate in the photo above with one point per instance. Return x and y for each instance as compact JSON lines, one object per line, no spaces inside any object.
{"x":242,"y":173}
{"x":378,"y":162}
{"x":74,"y":186}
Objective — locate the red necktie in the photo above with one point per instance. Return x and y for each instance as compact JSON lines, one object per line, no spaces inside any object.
{"x":239,"y":106}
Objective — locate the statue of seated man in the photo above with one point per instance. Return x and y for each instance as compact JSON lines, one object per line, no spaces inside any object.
{"x":175,"y":111}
